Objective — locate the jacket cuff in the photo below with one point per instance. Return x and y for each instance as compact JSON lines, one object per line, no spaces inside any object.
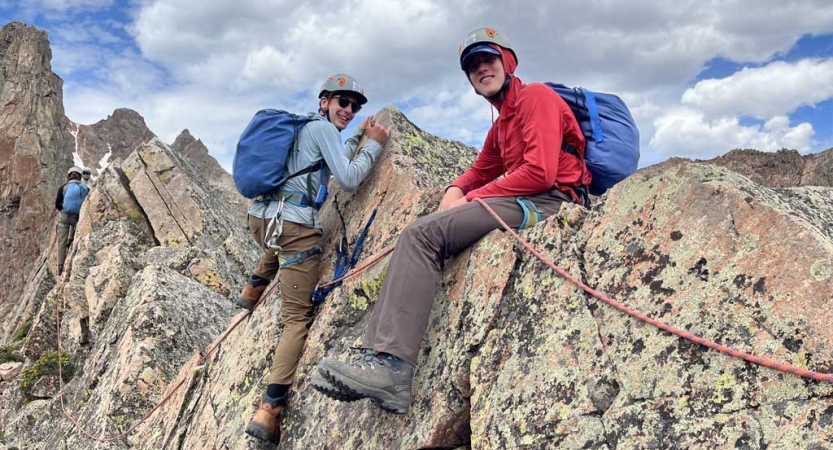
{"x":373,"y":149}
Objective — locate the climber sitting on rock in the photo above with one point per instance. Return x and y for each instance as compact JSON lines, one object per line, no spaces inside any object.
{"x":524,"y":144}
{"x":293,"y":242}
{"x":68,"y":201}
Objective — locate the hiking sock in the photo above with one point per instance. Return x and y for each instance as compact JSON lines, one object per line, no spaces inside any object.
{"x":277,"y":390}
{"x":255,"y":280}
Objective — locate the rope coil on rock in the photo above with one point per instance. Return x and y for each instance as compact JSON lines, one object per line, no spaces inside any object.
{"x":783,"y":367}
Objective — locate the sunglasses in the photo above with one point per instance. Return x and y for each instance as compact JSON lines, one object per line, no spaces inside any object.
{"x":345,"y":102}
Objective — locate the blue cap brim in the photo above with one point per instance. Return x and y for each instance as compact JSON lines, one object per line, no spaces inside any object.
{"x":479,"y":48}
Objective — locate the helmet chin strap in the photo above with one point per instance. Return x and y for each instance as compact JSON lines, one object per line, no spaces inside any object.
{"x":501,"y":93}
{"x":325,"y":112}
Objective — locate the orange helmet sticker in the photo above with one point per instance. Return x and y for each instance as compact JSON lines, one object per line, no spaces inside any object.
{"x":341,"y":81}
{"x":490,"y":32}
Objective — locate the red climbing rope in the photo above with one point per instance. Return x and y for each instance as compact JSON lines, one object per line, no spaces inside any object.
{"x":783,"y":367}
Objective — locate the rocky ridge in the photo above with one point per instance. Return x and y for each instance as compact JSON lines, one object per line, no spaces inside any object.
{"x":515,"y":356}
{"x":781,"y":169}
{"x":148,"y":284}
{"x":109,"y":139}
{"x":210,"y":170}
{"x":35,"y":149}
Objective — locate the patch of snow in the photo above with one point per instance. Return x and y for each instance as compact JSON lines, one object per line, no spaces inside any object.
{"x":105,"y":160}
{"x":76,"y":158}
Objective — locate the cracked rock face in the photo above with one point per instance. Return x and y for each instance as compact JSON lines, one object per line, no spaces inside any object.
{"x":193,"y":150}
{"x":711,"y":252}
{"x":35,"y":150}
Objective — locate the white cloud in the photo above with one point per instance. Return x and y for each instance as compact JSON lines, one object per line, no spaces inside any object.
{"x":455,"y":114}
{"x":777,"y":88}
{"x":64,"y":5}
{"x":85,"y":32}
{"x":686,"y":132}
{"x":208,"y":68}
{"x":55,"y":10}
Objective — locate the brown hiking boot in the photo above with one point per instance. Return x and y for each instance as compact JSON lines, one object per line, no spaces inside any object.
{"x":250,"y":296}
{"x":265,"y":425}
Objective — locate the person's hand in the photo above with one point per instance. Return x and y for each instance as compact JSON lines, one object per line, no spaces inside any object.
{"x":452,"y":197}
{"x":461,"y":201}
{"x":378,"y":133}
{"x":366,"y":123}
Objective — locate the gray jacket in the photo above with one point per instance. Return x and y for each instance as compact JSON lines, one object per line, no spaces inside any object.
{"x":319,"y":139}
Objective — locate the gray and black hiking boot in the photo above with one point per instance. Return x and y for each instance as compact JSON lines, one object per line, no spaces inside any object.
{"x":320,"y":384}
{"x":383,"y":378}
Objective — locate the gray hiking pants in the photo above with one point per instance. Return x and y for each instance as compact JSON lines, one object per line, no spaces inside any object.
{"x":400,"y":316}
{"x":66,"y":231}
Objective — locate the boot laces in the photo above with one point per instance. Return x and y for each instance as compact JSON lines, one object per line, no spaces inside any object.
{"x":368,"y":357}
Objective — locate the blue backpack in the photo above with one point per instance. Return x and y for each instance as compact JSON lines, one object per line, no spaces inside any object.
{"x":612,"y":139}
{"x":74,"y":195}
{"x":262,"y":152}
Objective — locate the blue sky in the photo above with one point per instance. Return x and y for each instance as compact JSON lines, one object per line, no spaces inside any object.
{"x":700,"y":77}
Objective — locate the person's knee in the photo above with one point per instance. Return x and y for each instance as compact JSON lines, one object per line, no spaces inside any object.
{"x":295,"y":314}
{"x":416,"y":231}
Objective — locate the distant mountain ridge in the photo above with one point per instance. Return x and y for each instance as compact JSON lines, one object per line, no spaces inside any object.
{"x":109,"y":139}
{"x":781,"y":169}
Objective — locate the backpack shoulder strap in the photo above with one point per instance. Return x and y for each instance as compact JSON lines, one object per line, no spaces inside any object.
{"x":593,"y":112}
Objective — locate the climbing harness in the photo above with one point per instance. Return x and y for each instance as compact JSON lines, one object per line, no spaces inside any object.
{"x":342,"y":263}
{"x":300,"y":257}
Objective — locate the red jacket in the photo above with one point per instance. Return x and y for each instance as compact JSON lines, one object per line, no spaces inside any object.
{"x":525,"y":144}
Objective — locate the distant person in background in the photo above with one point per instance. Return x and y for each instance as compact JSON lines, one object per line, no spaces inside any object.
{"x":86,"y":177}
{"x":68,"y":201}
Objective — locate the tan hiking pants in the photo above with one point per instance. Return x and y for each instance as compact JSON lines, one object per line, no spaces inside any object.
{"x":297,"y":281}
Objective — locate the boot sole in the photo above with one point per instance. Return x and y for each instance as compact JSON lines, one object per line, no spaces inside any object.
{"x":334,"y":393}
{"x":257,"y":431}
{"x":245,"y":304}
{"x":381,"y":398}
